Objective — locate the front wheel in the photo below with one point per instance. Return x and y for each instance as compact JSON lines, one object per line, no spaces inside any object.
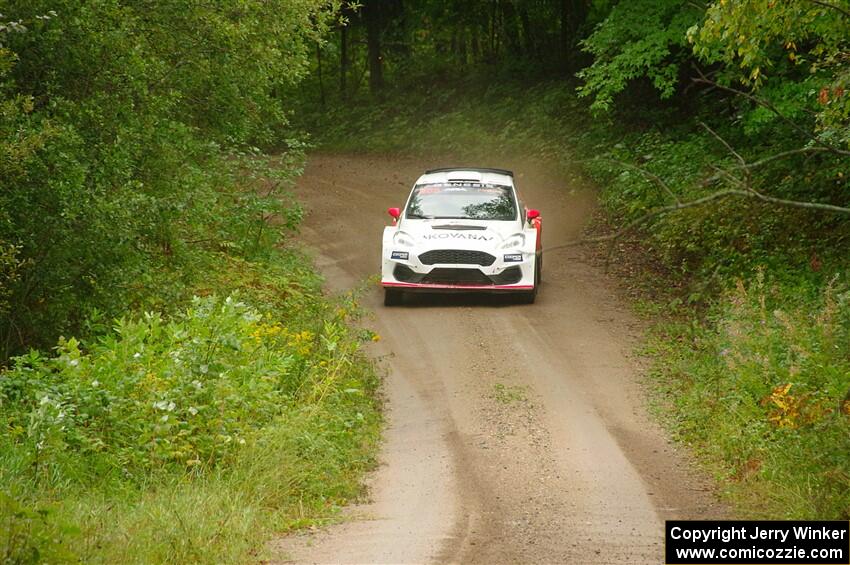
{"x":528,"y":297}
{"x":392,"y":297}
{"x":538,"y":268}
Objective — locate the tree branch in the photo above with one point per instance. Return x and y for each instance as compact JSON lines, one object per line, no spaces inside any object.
{"x":799,"y":203}
{"x":658,"y":180}
{"x":719,"y":195}
{"x":760,"y":162}
{"x":731,"y":150}
{"x":661,"y":210}
{"x":725,"y":144}
{"x":833,"y":6}
{"x":743,"y":186}
{"x":767,"y":104}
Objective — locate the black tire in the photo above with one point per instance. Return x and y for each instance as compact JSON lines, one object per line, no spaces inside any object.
{"x":393,"y":297}
{"x":528,"y":297}
{"x":538,"y":268}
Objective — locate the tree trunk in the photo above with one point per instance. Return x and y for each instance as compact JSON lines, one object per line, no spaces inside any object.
{"x":372,"y":13}
{"x":510,"y":27}
{"x":493,"y":13}
{"x":343,"y":63}
{"x":525,"y":27}
{"x":403,"y":24}
{"x":573,"y":14}
{"x":463,"y":46}
{"x":498,"y":27}
{"x":453,"y":48}
{"x":319,"y":68}
{"x":565,"y":31}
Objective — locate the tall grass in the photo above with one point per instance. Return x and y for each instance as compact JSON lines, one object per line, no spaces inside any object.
{"x":761,"y":391}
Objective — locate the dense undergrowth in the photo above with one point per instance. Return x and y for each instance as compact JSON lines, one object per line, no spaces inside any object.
{"x":190,"y":438}
{"x":760,"y":390}
{"x":174,"y":384}
{"x":751,"y":350}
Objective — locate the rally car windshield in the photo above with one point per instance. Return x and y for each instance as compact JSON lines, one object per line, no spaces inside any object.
{"x":466,"y":201}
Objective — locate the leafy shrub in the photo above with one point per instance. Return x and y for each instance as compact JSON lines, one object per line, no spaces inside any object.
{"x":192,"y":398}
{"x":159,"y":394}
{"x":763,"y":392}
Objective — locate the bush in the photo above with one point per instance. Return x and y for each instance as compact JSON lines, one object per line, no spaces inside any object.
{"x":197,"y":401}
{"x":132,"y":178}
{"x":763,"y":393}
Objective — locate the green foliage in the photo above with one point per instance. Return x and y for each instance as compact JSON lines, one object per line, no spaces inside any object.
{"x":31,"y":535}
{"x":10,"y":267}
{"x":754,"y":38}
{"x":199,"y":401}
{"x":797,"y":49}
{"x":123,"y":131}
{"x":762,"y":394}
{"x":730,"y":236}
{"x":639,"y":38}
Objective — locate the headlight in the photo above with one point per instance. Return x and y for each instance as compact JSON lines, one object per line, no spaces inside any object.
{"x":516,"y":240}
{"x":403,"y":239}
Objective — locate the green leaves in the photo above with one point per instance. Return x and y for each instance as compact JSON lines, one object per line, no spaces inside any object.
{"x":754,"y":38}
{"x":751,"y":42}
{"x":638,"y":38}
{"x":159,"y":394}
{"x":242,"y":404}
{"x":128,"y":150}
{"x":764,"y":43}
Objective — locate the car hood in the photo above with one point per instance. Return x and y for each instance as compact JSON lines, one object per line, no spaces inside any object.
{"x":459,"y":234}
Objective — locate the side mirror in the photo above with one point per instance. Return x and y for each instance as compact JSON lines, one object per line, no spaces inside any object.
{"x":531,"y":214}
{"x":394,"y":212}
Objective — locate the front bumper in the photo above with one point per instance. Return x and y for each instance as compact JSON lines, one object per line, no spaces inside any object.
{"x":500,"y":276}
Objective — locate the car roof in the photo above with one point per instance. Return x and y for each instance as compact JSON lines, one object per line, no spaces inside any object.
{"x":470,"y":174}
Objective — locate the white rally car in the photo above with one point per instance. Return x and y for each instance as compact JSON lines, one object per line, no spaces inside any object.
{"x":462,"y":230}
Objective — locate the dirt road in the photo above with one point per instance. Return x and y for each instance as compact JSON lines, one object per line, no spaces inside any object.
{"x":516,"y":433}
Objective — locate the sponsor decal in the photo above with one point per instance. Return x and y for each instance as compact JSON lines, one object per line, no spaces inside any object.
{"x":513,"y":258}
{"x":457,"y":235}
{"x":400,"y":255}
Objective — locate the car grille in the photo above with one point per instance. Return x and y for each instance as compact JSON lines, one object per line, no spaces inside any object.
{"x":459,"y":277}
{"x":457,"y":257}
